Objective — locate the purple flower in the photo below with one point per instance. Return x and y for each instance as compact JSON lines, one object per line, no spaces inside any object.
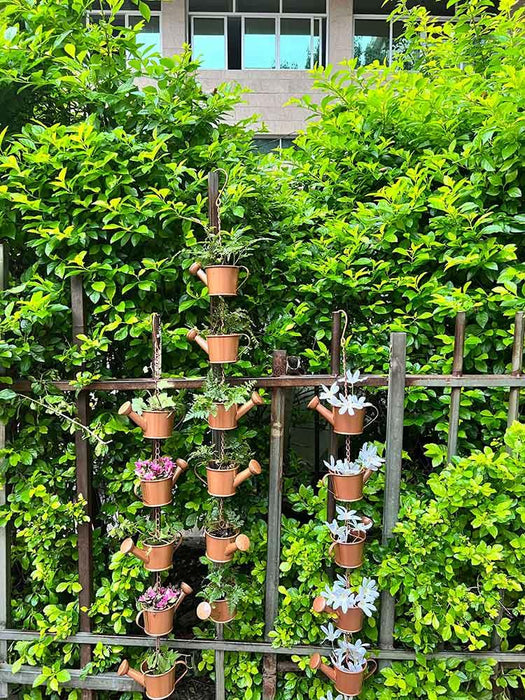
{"x":155,"y":469}
{"x":159,"y":597}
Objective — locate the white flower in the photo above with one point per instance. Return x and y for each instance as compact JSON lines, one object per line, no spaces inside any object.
{"x":369,"y":458}
{"x":330,"y":696}
{"x":352,"y":377}
{"x":331,"y":633}
{"x":330,"y":394}
{"x":331,"y":464}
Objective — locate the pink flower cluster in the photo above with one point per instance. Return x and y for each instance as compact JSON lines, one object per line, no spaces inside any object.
{"x":159,"y":597}
{"x":155,"y":469}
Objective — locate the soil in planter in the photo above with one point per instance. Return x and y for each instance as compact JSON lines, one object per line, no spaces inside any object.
{"x":225,"y":530}
{"x":221,"y":466}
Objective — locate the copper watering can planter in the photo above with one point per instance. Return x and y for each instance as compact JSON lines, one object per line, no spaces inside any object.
{"x":226,"y":418}
{"x":159,"y":623}
{"x":342,"y":424}
{"x":347,"y":488}
{"x":219,"y":611}
{"x":346,"y":682}
{"x":156,"y":425}
{"x":349,"y":622}
{"x":157,"y":493}
{"x":157,"y":687}
{"x":156,"y":557}
{"x":221,"y":349}
{"x":221,"y":549}
{"x":221,"y":280}
{"x":349,"y":555}
{"x":223,"y":483}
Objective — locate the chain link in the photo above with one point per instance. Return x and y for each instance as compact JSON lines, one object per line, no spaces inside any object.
{"x":348,"y":443}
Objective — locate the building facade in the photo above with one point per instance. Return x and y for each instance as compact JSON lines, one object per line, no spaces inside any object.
{"x":269,"y":46}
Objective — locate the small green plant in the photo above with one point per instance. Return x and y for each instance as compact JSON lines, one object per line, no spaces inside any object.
{"x":222,"y":520}
{"x":236,"y":452}
{"x":225,"y":248}
{"x":161,"y":660}
{"x":221,"y":586}
{"x":148,"y":531}
{"x":215,"y":391}
{"x":228,"y":322}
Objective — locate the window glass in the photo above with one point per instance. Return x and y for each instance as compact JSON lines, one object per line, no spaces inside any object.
{"x":258,"y":6}
{"x":371,"y":41}
{"x":295,"y":44}
{"x":149,"y":33}
{"x":234,"y":43}
{"x":211,"y":5}
{"x":209,"y":42}
{"x":305,"y":7}
{"x":259,"y":43}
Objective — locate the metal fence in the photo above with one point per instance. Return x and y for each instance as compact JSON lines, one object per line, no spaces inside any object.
{"x":280,"y":385}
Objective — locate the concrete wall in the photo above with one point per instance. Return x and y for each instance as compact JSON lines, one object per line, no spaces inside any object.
{"x":270,"y":90}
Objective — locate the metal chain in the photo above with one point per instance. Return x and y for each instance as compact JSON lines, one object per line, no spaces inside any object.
{"x":218,"y":201}
{"x":347,"y":448}
{"x":157,"y":351}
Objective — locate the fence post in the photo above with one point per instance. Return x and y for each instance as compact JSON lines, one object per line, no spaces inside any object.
{"x":275,"y":487}
{"x":393,"y":455}
{"x":455,"y":394}
{"x":5,"y":532}
{"x":83,"y":477}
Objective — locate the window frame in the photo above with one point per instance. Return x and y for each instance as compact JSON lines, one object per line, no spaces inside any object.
{"x":211,"y":15}
{"x":277,"y":17}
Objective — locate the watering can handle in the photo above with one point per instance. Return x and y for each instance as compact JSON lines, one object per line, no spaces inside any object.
{"x":184,"y":672}
{"x":199,"y":476}
{"x":136,"y":488}
{"x":243,"y":267}
{"x":371,"y":673}
{"x":372,"y":420}
{"x":137,"y":619}
{"x":331,"y":548}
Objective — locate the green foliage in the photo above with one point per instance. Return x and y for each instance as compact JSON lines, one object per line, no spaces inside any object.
{"x":215,"y":391}
{"x":161,"y":660}
{"x":220,"y":585}
{"x":237,"y":451}
{"x":228,"y":248}
{"x":159,"y":401}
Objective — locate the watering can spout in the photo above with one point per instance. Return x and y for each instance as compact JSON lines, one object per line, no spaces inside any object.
{"x":185,"y":590}
{"x":255,"y":400}
{"x":316,"y":663}
{"x":126,"y":410}
{"x":182,"y":465}
{"x":253,"y":469}
{"x":125,"y":670}
{"x":316,"y":405}
{"x":194,"y":335}
{"x":129,"y":547}
{"x":196,"y":269}
{"x":241,"y":543}
{"x":366,"y":475}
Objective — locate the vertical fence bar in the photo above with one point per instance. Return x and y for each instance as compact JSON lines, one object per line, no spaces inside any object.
{"x":275,"y":488}
{"x":393,"y":458}
{"x":512,"y":415}
{"x":5,"y":534}
{"x":335,"y":366}
{"x":83,"y":479}
{"x":455,"y":394}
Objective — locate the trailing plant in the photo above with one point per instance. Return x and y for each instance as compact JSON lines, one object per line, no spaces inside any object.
{"x":162,"y":467}
{"x":148,"y":530}
{"x":368,"y":459}
{"x":221,"y":585}
{"x":159,"y":598}
{"x":225,"y":247}
{"x":157,"y":401}
{"x":222,"y":520}
{"x":161,"y":660}
{"x":348,"y":656}
{"x":216,"y":391}
{"x":228,"y":321}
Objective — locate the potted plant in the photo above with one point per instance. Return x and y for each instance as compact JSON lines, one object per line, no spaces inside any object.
{"x":222,"y":533}
{"x":222,"y":472}
{"x":157,"y":605}
{"x":221,"y":597}
{"x":223,"y":404}
{"x":154,"y":413}
{"x":157,"y":672}
{"x":159,"y":545}
{"x":220,"y":341}
{"x":350,"y":666}
{"x":348,"y":533}
{"x":347,"y":478}
{"x":219,"y":255}
{"x":348,"y":606}
{"x":157,"y":479}
{"x":348,"y":410}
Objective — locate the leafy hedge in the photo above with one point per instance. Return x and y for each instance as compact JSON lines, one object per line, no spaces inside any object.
{"x":401,"y":203}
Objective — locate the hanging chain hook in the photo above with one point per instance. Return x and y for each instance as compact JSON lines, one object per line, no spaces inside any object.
{"x":343,"y":347}
{"x":218,"y":200}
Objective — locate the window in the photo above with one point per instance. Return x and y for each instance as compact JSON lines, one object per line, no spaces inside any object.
{"x":149,"y":34}
{"x":258,"y":34}
{"x":377,"y":39}
{"x":271,"y":143}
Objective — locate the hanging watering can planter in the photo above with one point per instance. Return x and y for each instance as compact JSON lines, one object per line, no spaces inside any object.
{"x":221,"y":349}
{"x":157,"y":480}
{"x":223,"y":483}
{"x":156,"y":425}
{"x":346,"y":682}
{"x":219,"y":611}
{"x":346,"y":605}
{"x":221,"y":280}
{"x":158,"y":606}
{"x":156,"y":556}
{"x":157,"y":685}
{"x":349,"y":621}
{"x":347,"y":478}
{"x":221,"y":548}
{"x":226,"y":418}
{"x":348,"y":533}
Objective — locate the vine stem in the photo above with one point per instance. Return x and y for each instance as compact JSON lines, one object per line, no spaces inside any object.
{"x":56,"y":412}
